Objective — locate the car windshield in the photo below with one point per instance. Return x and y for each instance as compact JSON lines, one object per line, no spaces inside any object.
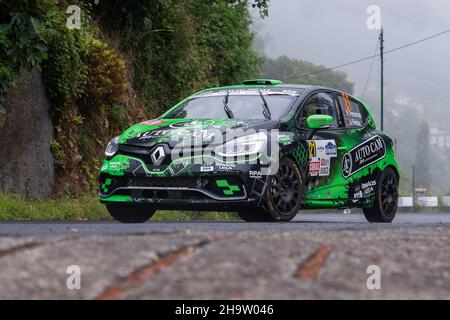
{"x":241,"y":107}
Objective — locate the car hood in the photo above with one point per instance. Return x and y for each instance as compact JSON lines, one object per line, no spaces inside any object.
{"x":173,"y":131}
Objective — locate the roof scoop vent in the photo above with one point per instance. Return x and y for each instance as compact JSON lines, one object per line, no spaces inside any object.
{"x":267,"y":82}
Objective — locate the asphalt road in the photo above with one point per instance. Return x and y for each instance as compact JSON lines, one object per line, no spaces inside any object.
{"x":316,"y":256}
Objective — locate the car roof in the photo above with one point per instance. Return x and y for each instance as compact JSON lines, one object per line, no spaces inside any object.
{"x":276,"y":85}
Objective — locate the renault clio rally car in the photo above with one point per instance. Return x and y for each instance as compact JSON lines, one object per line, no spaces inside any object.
{"x":263,"y":149}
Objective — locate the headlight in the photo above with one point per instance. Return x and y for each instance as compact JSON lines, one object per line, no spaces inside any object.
{"x":251,"y":144}
{"x":112,"y":147}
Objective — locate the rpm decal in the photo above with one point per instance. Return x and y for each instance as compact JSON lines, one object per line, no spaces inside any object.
{"x":363,"y":155}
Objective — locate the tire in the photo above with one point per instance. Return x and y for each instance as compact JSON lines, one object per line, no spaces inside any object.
{"x":254,"y":215}
{"x":284,"y":194}
{"x":386,"y":198}
{"x":127,"y":213}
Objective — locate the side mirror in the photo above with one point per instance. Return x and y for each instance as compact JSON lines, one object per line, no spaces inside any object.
{"x":319,"y":121}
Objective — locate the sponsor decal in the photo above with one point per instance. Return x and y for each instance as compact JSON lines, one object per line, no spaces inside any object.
{"x":117,"y":165}
{"x":285,"y":140}
{"x":330,"y":149}
{"x":153,"y":122}
{"x":249,"y":91}
{"x":322,"y":148}
{"x":363,"y":155}
{"x":365,"y":189}
{"x":255,"y":174}
{"x":324,"y":167}
{"x":320,"y":154}
{"x":151,"y":134}
{"x":206,"y":168}
{"x":226,"y":167}
{"x":355,"y":115}
{"x":314,"y":166}
{"x":348,"y":106}
{"x":312,"y":148}
{"x":194,"y":123}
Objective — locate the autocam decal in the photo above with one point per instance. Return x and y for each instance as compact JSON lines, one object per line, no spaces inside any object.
{"x":363,"y":155}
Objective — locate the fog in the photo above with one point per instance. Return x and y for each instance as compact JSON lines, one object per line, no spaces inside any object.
{"x":330,"y":33}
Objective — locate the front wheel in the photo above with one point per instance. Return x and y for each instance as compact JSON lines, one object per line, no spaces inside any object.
{"x":385,"y":203}
{"x":127,"y":213}
{"x":284,"y":194}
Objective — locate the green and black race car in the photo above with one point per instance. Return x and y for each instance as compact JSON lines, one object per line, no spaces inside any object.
{"x":263,"y":149}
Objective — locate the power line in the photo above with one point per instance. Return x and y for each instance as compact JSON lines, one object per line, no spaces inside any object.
{"x":376,"y":55}
{"x":370,"y":71}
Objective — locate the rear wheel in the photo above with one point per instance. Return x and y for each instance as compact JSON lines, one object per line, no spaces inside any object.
{"x":386,"y":198}
{"x":127,"y":213}
{"x":284,"y":195}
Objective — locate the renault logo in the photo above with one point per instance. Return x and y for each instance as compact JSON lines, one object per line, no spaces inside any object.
{"x":158,"y":156}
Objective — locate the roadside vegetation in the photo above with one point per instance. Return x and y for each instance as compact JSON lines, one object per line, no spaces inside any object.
{"x":86,"y":207}
{"x":130,"y":61}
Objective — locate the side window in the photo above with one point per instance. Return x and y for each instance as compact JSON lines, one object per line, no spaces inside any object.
{"x":354,"y":114}
{"x":319,"y":103}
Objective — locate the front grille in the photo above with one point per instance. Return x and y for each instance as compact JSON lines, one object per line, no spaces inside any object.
{"x":166,"y":182}
{"x":233,"y":185}
{"x":144,"y":153}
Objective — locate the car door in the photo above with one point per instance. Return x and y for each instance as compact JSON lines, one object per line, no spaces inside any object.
{"x":324,"y":160}
{"x":360,"y":149}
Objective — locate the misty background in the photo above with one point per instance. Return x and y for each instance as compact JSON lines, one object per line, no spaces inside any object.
{"x":416,"y":79}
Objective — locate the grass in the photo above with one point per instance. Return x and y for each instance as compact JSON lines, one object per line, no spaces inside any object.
{"x":88,"y":207}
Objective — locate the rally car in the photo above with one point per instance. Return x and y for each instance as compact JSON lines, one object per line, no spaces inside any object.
{"x":263,"y":149}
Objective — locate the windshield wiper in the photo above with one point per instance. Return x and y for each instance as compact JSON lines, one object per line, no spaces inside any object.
{"x":226,"y":107}
{"x":266,"y":111}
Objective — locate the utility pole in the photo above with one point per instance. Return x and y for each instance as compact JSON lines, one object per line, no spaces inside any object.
{"x":381,"y":38}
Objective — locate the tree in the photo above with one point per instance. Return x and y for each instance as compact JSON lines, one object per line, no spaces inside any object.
{"x":423,"y":159}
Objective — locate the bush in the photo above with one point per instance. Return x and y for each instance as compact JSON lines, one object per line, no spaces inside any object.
{"x":106,"y":76}
{"x":65,"y":71}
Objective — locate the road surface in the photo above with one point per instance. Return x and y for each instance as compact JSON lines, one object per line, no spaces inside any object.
{"x":316,"y":256}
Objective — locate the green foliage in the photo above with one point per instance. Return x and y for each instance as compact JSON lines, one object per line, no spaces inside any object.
{"x":87,"y":207}
{"x":58,"y":152}
{"x":65,"y":71}
{"x":172,"y":49}
{"x":118,"y":113}
{"x":182,"y":46}
{"x":106,"y":77}
{"x":85,"y":144}
{"x":225,"y":32}
{"x":66,"y":208}
{"x":2,"y":116}
{"x":304,"y":72}
{"x":22,"y":29}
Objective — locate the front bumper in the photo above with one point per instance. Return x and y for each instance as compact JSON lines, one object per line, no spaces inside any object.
{"x":182,"y":184}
